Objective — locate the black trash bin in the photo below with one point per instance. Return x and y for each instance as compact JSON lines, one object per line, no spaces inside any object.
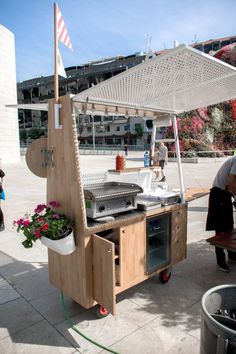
{"x":217,"y":338}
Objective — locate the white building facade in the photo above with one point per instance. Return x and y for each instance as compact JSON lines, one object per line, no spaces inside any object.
{"x":9,"y":141}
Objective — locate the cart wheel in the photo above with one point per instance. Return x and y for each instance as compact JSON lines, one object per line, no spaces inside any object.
{"x":101,"y":312}
{"x":165,"y":275}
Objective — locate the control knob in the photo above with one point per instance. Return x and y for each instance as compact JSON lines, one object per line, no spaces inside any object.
{"x":101,"y":208}
{"x":128,"y":203}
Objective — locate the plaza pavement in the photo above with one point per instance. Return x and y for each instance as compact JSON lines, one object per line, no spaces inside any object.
{"x":151,"y":318}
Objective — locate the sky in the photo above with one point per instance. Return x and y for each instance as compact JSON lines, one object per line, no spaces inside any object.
{"x":106,"y":28}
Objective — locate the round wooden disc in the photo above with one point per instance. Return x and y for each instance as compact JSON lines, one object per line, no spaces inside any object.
{"x":35,"y":157}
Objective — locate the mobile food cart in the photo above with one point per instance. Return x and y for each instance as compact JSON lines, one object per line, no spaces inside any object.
{"x":134,"y":245}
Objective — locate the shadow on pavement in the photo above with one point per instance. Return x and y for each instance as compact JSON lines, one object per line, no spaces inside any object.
{"x":31,"y":312}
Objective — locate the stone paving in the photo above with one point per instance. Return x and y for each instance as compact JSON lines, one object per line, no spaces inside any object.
{"x":151,"y":318}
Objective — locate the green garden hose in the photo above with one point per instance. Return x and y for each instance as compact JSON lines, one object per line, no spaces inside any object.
{"x":76,"y":329}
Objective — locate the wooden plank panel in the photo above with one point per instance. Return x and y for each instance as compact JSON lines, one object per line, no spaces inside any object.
{"x":136,"y":169}
{"x":227,"y":241}
{"x":72,"y":273}
{"x":132,"y":252}
{"x":35,"y":158}
{"x":179,"y":234}
{"x":104,"y":272}
{"x":195,"y":193}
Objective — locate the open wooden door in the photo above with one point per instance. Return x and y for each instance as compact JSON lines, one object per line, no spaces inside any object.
{"x":104,"y":272}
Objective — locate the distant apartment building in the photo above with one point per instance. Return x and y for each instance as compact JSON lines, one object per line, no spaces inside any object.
{"x":108,"y":130}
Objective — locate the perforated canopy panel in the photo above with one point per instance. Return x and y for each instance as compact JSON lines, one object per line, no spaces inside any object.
{"x":180,"y":80}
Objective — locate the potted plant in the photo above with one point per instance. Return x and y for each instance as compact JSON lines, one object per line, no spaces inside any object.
{"x":46,"y":224}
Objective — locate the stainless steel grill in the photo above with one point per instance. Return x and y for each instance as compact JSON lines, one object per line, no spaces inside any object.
{"x":110,"y":198}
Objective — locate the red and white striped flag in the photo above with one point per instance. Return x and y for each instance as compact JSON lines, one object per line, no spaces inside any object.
{"x":62,"y":33}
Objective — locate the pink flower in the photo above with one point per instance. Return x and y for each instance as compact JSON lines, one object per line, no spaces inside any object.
{"x":56,"y":216}
{"x":19,"y":222}
{"x":26,"y":223}
{"x":53,"y":204}
{"x":45,"y":227}
{"x":40,"y":208}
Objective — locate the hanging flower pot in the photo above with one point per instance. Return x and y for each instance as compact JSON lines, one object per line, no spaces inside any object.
{"x":64,"y":244}
{"x":46,"y":224}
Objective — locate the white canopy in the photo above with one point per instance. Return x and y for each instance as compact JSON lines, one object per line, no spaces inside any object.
{"x":181,"y":80}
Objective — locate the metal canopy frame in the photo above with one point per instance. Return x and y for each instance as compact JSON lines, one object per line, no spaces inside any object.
{"x":181,"y":80}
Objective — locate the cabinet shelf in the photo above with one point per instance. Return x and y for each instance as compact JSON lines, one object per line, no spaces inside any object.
{"x":157,"y":232}
{"x":153,"y":248}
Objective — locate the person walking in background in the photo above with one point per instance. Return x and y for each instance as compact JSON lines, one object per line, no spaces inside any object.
{"x":126,"y":149}
{"x":163,"y":158}
{"x":156,"y":160}
{"x":220,"y":208}
{"x":2,"y":197}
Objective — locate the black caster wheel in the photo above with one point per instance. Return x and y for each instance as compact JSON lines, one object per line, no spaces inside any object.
{"x":101,"y":312}
{"x":165,"y":275}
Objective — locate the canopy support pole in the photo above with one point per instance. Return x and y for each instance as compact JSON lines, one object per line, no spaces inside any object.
{"x":178,"y":158}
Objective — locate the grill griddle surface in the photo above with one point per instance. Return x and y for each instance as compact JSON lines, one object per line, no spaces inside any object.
{"x":112,"y":189}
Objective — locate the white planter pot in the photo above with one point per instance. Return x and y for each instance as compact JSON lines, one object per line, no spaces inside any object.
{"x":63,"y":246}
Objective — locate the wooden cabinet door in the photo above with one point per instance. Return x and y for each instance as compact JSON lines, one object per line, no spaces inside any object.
{"x":132,"y":252}
{"x":104,"y":272}
{"x":179,"y":234}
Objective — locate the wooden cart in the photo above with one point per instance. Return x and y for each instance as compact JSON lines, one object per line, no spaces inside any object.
{"x":110,"y":257}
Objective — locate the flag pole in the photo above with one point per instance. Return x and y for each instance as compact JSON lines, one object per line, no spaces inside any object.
{"x":55,"y":55}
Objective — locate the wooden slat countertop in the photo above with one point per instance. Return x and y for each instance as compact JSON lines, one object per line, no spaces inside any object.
{"x":195,"y":193}
{"x":136,"y":169}
{"x":227,"y":242}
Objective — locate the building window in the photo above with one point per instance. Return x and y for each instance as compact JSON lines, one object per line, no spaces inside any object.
{"x":107,"y":119}
{"x":118,"y":128}
{"x":44,"y":118}
{"x":118,"y":141}
{"x":28,"y":119}
{"x":89,"y":129}
{"x":97,"y":118}
{"x":127,"y":127}
{"x":149,"y":124}
{"x":107,"y":128}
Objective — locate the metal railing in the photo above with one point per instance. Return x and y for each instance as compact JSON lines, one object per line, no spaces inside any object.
{"x":87,"y":149}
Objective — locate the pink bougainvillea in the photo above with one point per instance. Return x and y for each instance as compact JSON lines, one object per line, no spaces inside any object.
{"x":197,"y":124}
{"x":233,"y":109}
{"x":202,"y":112}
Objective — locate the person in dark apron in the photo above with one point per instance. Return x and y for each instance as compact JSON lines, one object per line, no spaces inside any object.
{"x":220,"y":208}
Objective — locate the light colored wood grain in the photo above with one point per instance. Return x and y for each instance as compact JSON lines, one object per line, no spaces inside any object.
{"x":104,"y":272}
{"x":72,"y":273}
{"x":136,"y":169}
{"x":35,"y":158}
{"x":195,"y":193}
{"x":132,"y":252}
{"x":179,"y":234}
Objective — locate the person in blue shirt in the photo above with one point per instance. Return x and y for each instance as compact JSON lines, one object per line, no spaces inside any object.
{"x":2,"y":196}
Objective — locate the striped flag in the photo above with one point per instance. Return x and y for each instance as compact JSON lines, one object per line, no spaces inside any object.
{"x":62,"y":33}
